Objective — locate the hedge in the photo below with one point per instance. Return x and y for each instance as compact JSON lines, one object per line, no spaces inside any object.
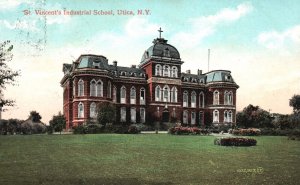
{"x":235,"y":141}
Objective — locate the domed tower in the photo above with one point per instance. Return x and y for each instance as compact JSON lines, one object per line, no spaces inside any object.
{"x":162,"y":64}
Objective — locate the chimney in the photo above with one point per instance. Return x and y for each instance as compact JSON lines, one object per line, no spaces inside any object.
{"x":133,"y":66}
{"x":188,"y":71}
{"x":115,"y":63}
{"x":199,"y":72}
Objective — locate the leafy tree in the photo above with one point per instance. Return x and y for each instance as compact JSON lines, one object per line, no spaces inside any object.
{"x":35,"y":116}
{"x":58,"y":122}
{"x":295,"y":103}
{"x":7,"y":75}
{"x":106,"y":113}
{"x":254,"y":116}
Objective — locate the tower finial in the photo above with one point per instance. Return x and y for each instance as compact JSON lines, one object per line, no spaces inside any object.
{"x":160,"y":32}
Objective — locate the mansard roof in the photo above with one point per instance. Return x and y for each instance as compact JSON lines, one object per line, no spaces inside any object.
{"x":160,"y":48}
{"x":89,"y":61}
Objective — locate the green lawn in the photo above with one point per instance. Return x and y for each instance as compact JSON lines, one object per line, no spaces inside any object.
{"x":145,"y":159}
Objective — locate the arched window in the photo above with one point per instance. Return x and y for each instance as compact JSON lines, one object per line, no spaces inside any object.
{"x":133,"y":115}
{"x":166,"y":93}
{"x":93,"y":113}
{"x":201,"y":100}
{"x":216,"y":116}
{"x":230,"y":116}
{"x":157,"y":93}
{"x":123,"y":114}
{"x":216,"y":98}
{"x":185,"y":117}
{"x":201,"y":118}
{"x":185,"y":99}
{"x":174,"y":72}
{"x":193,"y":100}
{"x":93,"y":88}
{"x":80,"y":87}
{"x":158,"y":70}
{"x":174,"y":94}
{"x":132,"y":95}
{"x":166,"y":70}
{"x":109,"y":89}
{"x":142,"y":96}
{"x":123,"y":94}
{"x":230,"y":99}
{"x":193,"y":118}
{"x":226,"y":116}
{"x":142,"y":115}
{"x":74,"y":88}
{"x":80,"y":110}
{"x":114,"y":94}
{"x":99,"y":88}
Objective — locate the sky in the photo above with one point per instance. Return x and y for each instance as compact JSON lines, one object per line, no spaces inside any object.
{"x":258,"y":41}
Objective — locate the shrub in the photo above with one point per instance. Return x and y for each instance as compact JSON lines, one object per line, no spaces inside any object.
{"x":133,"y":129}
{"x":235,"y":141}
{"x":187,"y":131}
{"x":88,"y":129}
{"x":279,"y":132}
{"x":79,"y":129}
{"x":246,"y":132}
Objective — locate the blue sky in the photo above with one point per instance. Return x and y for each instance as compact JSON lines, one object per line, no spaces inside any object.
{"x":258,"y":41}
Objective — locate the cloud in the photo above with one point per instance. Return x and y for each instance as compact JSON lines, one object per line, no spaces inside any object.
{"x":278,"y":40}
{"x":28,"y":25}
{"x":139,"y":27}
{"x":9,"y":4}
{"x":207,"y":25}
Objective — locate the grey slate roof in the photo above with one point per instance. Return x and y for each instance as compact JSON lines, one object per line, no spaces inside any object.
{"x":161,"y":48}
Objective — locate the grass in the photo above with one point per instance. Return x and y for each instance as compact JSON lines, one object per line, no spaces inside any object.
{"x":145,"y":159}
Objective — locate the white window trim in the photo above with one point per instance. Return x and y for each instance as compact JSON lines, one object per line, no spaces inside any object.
{"x":216,"y":101}
{"x":216,"y":119}
{"x":80,"y":87}
{"x":80,"y":113}
{"x":193,"y":103}
{"x":142,"y":100}
{"x":185,"y":104}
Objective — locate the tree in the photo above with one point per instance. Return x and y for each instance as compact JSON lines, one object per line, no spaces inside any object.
{"x":58,"y":122}
{"x":106,"y":113}
{"x":7,"y":75}
{"x":295,"y":103}
{"x":35,"y":116}
{"x":254,"y":116}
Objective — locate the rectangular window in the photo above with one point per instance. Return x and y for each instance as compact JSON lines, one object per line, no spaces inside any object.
{"x":142,"y":115}
{"x":133,"y":115}
{"x":142,"y":97}
{"x":123,"y":114}
{"x":193,"y":118}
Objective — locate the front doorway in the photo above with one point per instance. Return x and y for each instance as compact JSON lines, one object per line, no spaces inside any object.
{"x":165,"y":115}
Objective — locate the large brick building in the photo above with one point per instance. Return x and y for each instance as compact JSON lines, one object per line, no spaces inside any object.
{"x":155,"y":90}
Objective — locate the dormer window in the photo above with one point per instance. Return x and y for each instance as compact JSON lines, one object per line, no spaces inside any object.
{"x":96,"y":64}
{"x":201,"y":81}
{"x":123,"y":73}
{"x":227,"y":77}
{"x":167,"y":52}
